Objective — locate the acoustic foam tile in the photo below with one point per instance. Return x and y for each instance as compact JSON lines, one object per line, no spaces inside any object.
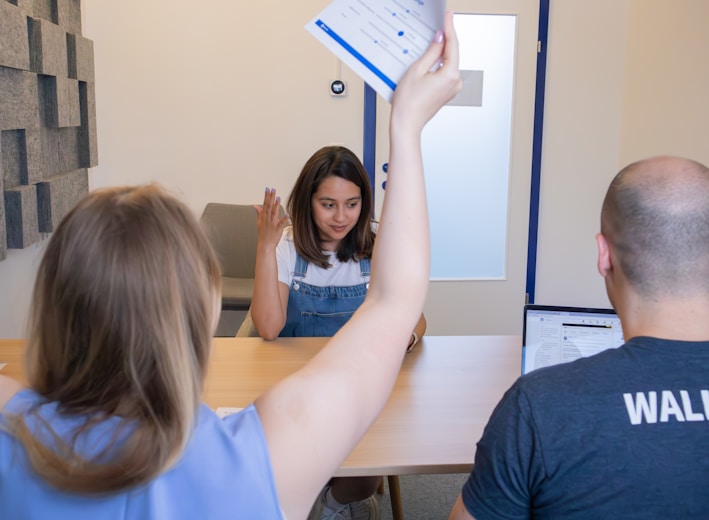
{"x":21,"y":217}
{"x":60,"y":150}
{"x":48,"y":48}
{"x":62,"y":102}
{"x":57,"y":195}
{"x":18,"y":99}
{"x":69,"y":15}
{"x":88,"y":148}
{"x":81,"y":57}
{"x":15,"y":50}
{"x":44,"y":9}
{"x":27,"y":6}
{"x":33,"y":150}
{"x":13,"y":155}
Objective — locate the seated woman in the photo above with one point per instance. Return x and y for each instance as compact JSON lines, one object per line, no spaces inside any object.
{"x":124,"y":307}
{"x":322,"y":267}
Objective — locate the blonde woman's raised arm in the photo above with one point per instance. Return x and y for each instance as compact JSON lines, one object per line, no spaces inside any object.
{"x":314,"y":418}
{"x":8,"y":388}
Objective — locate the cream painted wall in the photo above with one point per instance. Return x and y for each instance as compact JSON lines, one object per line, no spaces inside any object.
{"x":215,"y":102}
{"x":627,"y":79}
{"x":666,"y":96}
{"x":582,"y":123}
{"x":215,"y":99}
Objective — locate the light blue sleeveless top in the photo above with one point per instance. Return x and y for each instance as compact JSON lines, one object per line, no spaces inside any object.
{"x":224,"y":473}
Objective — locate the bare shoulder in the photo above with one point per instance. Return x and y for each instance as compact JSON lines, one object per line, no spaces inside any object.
{"x":8,"y":388}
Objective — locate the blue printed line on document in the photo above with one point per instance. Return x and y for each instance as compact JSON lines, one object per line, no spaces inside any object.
{"x":364,"y":61}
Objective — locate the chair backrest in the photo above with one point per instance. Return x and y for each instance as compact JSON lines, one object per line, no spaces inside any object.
{"x":231,"y":229}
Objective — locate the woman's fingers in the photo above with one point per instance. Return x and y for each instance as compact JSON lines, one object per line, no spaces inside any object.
{"x":426,"y":87}
{"x":271,"y":203}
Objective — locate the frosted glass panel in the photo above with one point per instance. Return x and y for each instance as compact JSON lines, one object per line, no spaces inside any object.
{"x":466,"y":151}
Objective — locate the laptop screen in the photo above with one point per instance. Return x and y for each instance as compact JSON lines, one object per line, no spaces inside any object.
{"x":553,"y":334}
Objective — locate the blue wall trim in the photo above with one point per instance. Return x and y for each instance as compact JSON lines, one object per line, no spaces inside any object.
{"x":370,"y":136}
{"x":537,"y":151}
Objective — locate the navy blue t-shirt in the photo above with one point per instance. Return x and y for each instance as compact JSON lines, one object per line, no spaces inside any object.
{"x":623,"y":434}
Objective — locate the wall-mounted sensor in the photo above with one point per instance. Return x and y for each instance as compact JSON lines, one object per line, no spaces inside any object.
{"x":338,"y":88}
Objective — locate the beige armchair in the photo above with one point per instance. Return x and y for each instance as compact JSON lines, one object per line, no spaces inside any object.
{"x":231,"y":228}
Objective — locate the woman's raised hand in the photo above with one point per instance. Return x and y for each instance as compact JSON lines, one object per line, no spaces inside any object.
{"x":429,"y":83}
{"x":269,"y":222}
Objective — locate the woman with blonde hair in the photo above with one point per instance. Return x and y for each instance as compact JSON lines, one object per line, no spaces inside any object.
{"x":124,"y":307}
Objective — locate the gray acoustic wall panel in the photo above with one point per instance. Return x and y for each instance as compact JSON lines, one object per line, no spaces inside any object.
{"x":88,"y":151}
{"x":62,"y":102}
{"x":44,"y":9}
{"x":48,"y":48}
{"x":26,"y":5}
{"x":19,"y":106}
{"x":56,"y":196}
{"x":69,"y":16}
{"x":47,"y":116}
{"x":81,"y":58}
{"x":21,"y":216}
{"x":15,"y":50}
{"x":13,"y":150}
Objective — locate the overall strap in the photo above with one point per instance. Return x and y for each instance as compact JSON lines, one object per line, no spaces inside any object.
{"x":301,"y":266}
{"x":365,"y":268}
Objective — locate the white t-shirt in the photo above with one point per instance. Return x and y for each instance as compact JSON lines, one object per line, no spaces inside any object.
{"x":340,"y":274}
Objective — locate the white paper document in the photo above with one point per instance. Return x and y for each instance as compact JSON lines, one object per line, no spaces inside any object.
{"x":2,"y":365}
{"x":378,"y":39}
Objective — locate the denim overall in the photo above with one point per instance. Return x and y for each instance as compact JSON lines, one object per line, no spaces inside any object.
{"x":321,"y":311}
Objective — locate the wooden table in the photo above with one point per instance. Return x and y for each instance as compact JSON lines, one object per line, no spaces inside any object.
{"x":11,"y":351}
{"x":442,"y":399}
{"x":445,"y":392}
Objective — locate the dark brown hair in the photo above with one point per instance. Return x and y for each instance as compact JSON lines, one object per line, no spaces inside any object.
{"x":330,"y":161}
{"x":121,"y":323}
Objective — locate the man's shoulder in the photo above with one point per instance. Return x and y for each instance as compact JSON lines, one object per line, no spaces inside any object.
{"x":639,"y":359}
{"x":594,"y":372}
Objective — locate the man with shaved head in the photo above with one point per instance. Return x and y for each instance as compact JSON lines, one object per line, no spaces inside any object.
{"x":624,"y":433}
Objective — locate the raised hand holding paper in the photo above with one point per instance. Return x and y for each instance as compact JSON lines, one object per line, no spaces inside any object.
{"x":378,"y":39}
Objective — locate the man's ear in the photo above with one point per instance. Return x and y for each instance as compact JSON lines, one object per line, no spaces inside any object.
{"x":604,"y":255}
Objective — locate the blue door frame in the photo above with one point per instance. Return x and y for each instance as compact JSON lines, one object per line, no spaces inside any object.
{"x":370,"y":143}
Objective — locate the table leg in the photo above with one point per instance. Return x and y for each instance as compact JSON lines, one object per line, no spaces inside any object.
{"x":397,"y":507}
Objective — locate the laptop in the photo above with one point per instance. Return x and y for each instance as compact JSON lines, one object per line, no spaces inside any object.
{"x":554,"y":334}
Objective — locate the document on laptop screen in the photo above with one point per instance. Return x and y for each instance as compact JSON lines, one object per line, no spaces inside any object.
{"x":378,"y":39}
{"x":559,"y":336}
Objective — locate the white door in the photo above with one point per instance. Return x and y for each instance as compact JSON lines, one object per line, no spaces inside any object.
{"x":478,"y":160}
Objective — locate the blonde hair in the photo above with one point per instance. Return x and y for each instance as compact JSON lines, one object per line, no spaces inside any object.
{"x":121,"y":325}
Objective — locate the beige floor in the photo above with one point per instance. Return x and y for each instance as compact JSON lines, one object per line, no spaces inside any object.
{"x":426,"y":497}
